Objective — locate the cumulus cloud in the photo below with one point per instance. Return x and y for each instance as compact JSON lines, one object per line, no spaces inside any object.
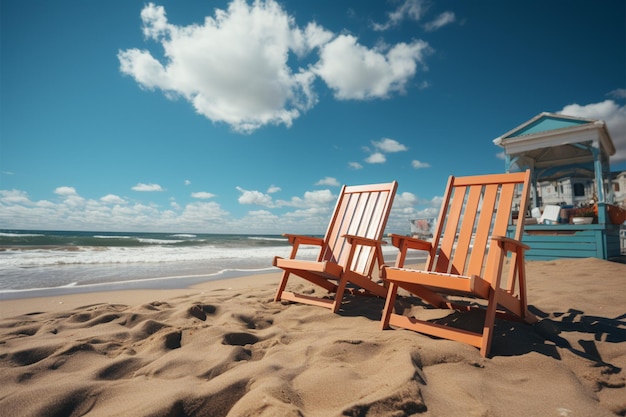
{"x":273,"y":189}
{"x":382,"y":147}
{"x":355,"y":165}
{"x":311,"y":199}
{"x":615,"y":117}
{"x":353,"y":71}
{"x":389,"y":145}
{"x":405,"y":199}
{"x":147,"y":187}
{"x":304,"y":214}
{"x":65,"y":191}
{"x":254,"y":197}
{"x":112,"y":199}
{"x":202,"y":195}
{"x":14,"y":197}
{"x":200,"y":214}
{"x":419,"y":164}
{"x":235,"y":67}
{"x":376,"y":158}
{"x":329,"y":181}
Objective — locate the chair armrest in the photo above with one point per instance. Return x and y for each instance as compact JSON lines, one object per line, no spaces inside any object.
{"x":360,"y":240}
{"x":403,"y":243}
{"x":297,"y":240}
{"x":510,"y":245}
{"x":304,"y":240}
{"x":406,"y":242}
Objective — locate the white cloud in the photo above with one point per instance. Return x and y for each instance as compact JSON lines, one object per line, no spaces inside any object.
{"x":353,"y":71}
{"x":234,"y":67}
{"x":202,"y":214}
{"x":389,"y":145}
{"x":376,"y":158}
{"x":72,"y":199}
{"x":254,"y":197}
{"x":501,"y":155}
{"x":355,"y":165}
{"x":65,"y":191}
{"x":405,"y":199}
{"x":187,"y":182}
{"x":442,"y":20}
{"x":74,"y":212}
{"x":147,"y":187}
{"x":262,"y":213}
{"x":308,"y":214}
{"x":419,"y":164}
{"x":273,"y":189}
{"x":14,"y":197}
{"x":409,"y":9}
{"x":311,"y":199}
{"x":615,"y":117}
{"x":329,"y":181}
{"x":112,"y":199}
{"x":202,"y":195}
{"x":618,"y":93}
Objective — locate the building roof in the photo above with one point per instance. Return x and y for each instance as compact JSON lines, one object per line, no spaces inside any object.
{"x":550,"y":130}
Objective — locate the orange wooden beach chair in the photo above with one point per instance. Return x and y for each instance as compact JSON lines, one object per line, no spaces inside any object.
{"x":348,"y":252}
{"x":466,"y":258}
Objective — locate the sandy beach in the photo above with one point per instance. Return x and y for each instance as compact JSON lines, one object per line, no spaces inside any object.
{"x":224,"y":348}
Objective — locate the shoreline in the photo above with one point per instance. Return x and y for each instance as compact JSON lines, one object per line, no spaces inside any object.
{"x":55,"y":301}
{"x":165,"y":283}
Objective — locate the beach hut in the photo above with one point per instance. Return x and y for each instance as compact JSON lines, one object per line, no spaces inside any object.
{"x":569,"y":162}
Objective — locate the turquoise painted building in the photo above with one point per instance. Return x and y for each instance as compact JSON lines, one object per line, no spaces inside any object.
{"x":555,"y":147}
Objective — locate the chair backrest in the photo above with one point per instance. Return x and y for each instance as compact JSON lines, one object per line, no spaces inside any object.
{"x":361,"y":210}
{"x":474,"y":209}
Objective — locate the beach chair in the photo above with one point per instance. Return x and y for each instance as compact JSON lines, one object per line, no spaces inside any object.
{"x":465,"y":261}
{"x":349,"y":251}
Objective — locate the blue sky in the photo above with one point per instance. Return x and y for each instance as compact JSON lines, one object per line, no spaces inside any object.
{"x":247,"y":117}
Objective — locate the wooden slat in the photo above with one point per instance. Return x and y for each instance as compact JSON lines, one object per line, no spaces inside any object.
{"x":332,"y":234}
{"x":430,"y":279}
{"x":467,"y":229}
{"x":482,"y":230}
{"x":501,"y":222}
{"x":437,"y":330}
{"x":524,"y":197}
{"x":449,"y":234}
{"x":337,"y":243}
{"x":360,"y":228}
{"x":300,"y":298}
{"x":509,"y":178}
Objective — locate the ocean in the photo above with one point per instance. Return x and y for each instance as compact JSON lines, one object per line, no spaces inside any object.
{"x":33,"y":262}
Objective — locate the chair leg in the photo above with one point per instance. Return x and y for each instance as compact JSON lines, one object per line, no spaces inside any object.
{"x":490,"y":319}
{"x":392,"y":292}
{"x":341,"y":288}
{"x":281,"y":287}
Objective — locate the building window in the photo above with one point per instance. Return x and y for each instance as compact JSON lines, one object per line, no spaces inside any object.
{"x":579,"y":190}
